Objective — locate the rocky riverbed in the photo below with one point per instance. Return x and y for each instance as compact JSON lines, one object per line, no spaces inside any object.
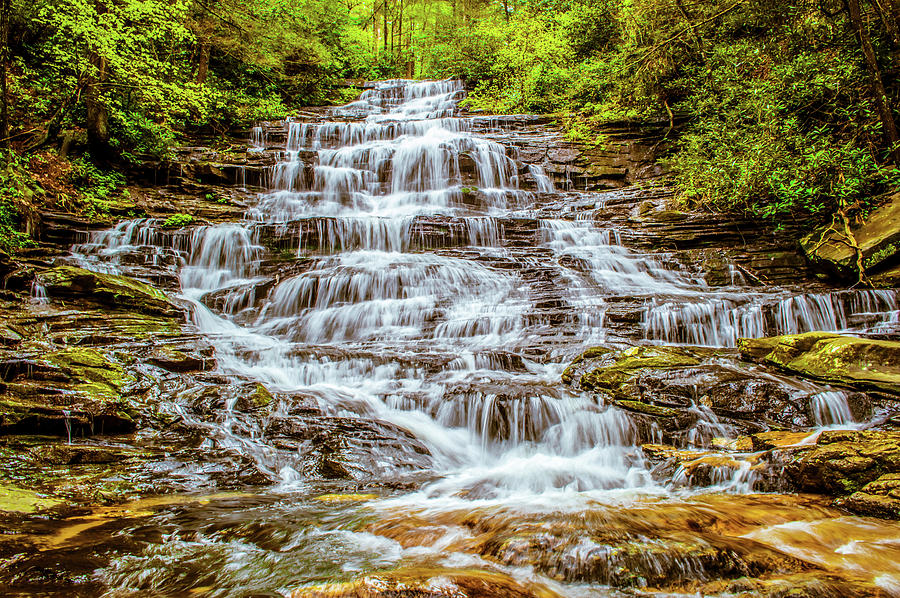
{"x":391,"y":349}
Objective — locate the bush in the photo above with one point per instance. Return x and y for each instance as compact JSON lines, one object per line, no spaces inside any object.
{"x":178,"y":221}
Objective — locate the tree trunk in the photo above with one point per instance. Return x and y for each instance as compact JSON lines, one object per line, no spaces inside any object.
{"x":506,"y":10}
{"x":202,"y":62}
{"x":4,"y":60}
{"x":97,"y":113}
{"x":881,"y":97}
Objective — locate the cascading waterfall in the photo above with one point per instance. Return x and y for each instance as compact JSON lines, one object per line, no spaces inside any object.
{"x":354,"y":190}
{"x":378,"y":324}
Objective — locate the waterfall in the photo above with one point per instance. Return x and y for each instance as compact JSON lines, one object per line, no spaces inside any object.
{"x":405,"y":296}
{"x":411,"y":266}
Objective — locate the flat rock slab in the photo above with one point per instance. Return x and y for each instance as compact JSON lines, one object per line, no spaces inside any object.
{"x":863,"y":363}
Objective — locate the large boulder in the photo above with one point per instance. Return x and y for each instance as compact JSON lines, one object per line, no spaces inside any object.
{"x":878,"y":238}
{"x":880,"y":498}
{"x":833,"y":358}
{"x":74,"y":391}
{"x":106,"y":289}
{"x":843,"y":462}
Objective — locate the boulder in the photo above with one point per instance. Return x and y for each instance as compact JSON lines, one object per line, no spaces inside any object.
{"x":862,"y":363}
{"x":878,"y":239}
{"x":674,"y":389}
{"x":107,"y":289}
{"x":844,"y":462}
{"x":880,"y":498}
{"x":75,"y":391}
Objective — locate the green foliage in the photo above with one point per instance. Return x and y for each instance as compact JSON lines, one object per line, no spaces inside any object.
{"x":178,"y":221}
{"x":96,"y":187}
{"x":781,"y":119}
{"x":781,"y":122}
{"x":161,"y":67}
{"x":18,"y":191}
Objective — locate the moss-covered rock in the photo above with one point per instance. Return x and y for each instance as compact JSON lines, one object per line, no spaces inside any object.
{"x":254,"y":397}
{"x":880,"y":498}
{"x":878,"y":239}
{"x":74,"y":391}
{"x":834,"y":358}
{"x":21,"y":500}
{"x":92,"y":372}
{"x":107,"y":289}
{"x":667,"y":388}
{"x":843,"y":462}
{"x":614,"y":371}
{"x":177,"y":360}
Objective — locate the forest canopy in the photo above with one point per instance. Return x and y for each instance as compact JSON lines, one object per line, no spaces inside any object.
{"x":777,"y":109}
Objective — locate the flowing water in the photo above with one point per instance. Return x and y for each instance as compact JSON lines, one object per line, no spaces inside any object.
{"x":453,"y":345}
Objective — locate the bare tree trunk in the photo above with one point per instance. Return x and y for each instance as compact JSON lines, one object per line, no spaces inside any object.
{"x":97,"y":114}
{"x":506,"y":10}
{"x":375,"y":29}
{"x":881,"y":97}
{"x":202,"y":62}
{"x":4,"y":60}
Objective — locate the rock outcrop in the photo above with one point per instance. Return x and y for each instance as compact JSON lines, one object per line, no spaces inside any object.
{"x":855,"y":362}
{"x":110,"y":290}
{"x":689,"y":392}
{"x":875,"y":243}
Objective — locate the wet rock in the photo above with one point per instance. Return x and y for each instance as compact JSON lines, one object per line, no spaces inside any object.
{"x":429,"y":583}
{"x":681,"y":392}
{"x":255,"y":397}
{"x":813,"y":584}
{"x":75,"y":391}
{"x":880,"y":498}
{"x":79,"y":454}
{"x":663,"y":545}
{"x":843,"y":462}
{"x":686,"y":468}
{"x":20,"y":500}
{"x":107,"y":289}
{"x":348,"y":448}
{"x":60,"y":415}
{"x":838,"y":359}
{"x":6,"y":264}
{"x":176,"y":360}
{"x":8,"y":336}
{"x":779,"y":439}
{"x":91,"y":372}
{"x":878,"y":239}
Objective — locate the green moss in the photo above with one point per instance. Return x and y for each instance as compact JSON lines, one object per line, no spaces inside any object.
{"x":94,"y":374}
{"x":20,"y":500}
{"x":178,"y":221}
{"x":118,"y":291}
{"x":646,"y":408}
{"x":627,"y":364}
{"x":839,"y":359}
{"x":260,"y":397}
